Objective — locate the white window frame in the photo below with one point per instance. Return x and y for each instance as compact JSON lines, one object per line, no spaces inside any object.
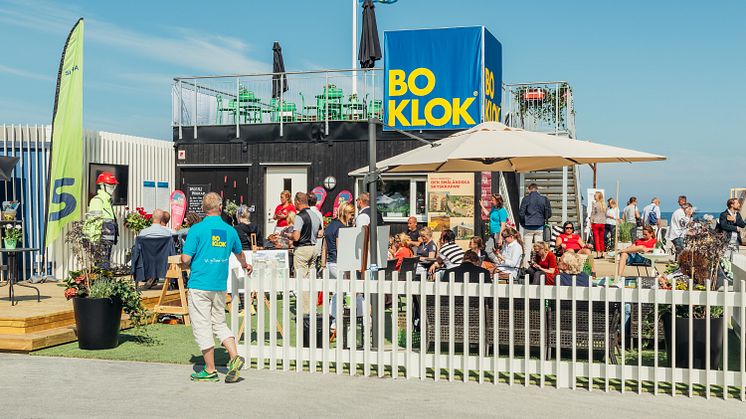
{"x":413,"y":179}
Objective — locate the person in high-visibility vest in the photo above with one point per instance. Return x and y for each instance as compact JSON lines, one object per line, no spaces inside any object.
{"x":101,"y":222}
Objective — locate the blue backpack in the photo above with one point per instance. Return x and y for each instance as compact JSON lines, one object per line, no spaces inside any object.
{"x":652,"y":218}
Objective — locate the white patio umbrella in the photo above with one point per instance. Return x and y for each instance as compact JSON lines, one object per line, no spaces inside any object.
{"x":492,"y":146}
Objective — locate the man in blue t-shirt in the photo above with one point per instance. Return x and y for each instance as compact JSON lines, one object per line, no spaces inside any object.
{"x":208,"y":247}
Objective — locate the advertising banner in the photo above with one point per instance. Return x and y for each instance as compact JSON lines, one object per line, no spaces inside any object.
{"x":432,"y":78}
{"x":493,"y":78}
{"x":486,"y":195}
{"x":451,"y":203}
{"x":65,"y":185}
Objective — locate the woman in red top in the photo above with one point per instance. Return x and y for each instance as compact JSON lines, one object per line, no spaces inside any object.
{"x":568,"y":241}
{"x":400,"y":249}
{"x":544,"y":264}
{"x":282,"y":210}
{"x":632,"y":254}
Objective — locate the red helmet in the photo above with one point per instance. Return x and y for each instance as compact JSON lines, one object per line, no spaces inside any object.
{"x":107,"y":178}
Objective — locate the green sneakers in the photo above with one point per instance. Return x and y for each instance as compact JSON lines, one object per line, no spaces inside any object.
{"x":234,"y":369}
{"x":205,"y":376}
{"x":234,"y":372}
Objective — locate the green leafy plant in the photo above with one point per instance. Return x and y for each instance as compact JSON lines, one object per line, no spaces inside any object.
{"x":92,"y":281}
{"x":546,"y":104}
{"x":13,"y":232}
{"x":137,"y":220}
{"x":625,"y":232}
{"x":230,"y":207}
{"x":588,"y":267}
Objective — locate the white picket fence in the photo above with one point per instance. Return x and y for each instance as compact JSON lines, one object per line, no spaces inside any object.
{"x":529,"y":359}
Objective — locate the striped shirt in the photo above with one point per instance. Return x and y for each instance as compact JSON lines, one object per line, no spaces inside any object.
{"x":451,"y":254}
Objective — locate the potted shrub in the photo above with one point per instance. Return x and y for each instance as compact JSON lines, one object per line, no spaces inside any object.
{"x":625,"y":234}
{"x":13,"y":235}
{"x":698,"y":265}
{"x":98,"y":295}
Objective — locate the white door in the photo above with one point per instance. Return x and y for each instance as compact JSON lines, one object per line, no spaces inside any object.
{"x":276,"y":180}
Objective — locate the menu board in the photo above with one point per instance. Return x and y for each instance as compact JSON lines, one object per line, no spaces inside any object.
{"x":195,"y":193}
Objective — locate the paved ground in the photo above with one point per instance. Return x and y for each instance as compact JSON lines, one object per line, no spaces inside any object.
{"x":57,"y":387}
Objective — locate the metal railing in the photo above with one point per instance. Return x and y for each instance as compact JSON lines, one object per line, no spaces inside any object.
{"x":308,"y":96}
{"x":540,"y":106}
{"x":559,"y":336}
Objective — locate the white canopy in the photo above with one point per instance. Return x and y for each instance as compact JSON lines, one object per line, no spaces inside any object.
{"x":492,"y":146}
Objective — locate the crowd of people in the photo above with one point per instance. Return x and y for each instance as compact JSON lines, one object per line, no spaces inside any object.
{"x":505,"y":256}
{"x":504,"y":253}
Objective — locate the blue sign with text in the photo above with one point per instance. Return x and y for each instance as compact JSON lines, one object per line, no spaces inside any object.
{"x":493,"y":78}
{"x":438,"y":79}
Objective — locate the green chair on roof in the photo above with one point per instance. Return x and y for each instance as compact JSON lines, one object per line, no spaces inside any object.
{"x":306,"y":113}
{"x":375,"y":109}
{"x":285,"y":111}
{"x":354,"y":108}
{"x":250,"y":109}
{"x":329,"y":102}
{"x":224,"y":106}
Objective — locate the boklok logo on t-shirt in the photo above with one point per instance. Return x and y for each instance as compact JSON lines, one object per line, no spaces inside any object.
{"x":219,"y":238}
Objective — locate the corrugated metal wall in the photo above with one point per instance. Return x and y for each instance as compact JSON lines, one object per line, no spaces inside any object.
{"x":148,"y":159}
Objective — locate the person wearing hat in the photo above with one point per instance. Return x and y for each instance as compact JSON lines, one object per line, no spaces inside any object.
{"x":101,"y":223}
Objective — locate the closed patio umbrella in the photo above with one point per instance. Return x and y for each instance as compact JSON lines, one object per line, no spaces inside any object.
{"x":492,"y":146}
{"x":279,"y":82}
{"x":370,"y":47}
{"x":7,"y":164}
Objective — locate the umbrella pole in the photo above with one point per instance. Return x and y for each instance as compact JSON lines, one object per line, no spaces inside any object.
{"x":372,"y":179}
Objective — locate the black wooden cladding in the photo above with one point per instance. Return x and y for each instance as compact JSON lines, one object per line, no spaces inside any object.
{"x":218,"y":158}
{"x":292,"y":132}
{"x":220,"y":164}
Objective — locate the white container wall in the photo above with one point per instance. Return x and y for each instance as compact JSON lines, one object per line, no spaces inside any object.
{"x":148,"y":160}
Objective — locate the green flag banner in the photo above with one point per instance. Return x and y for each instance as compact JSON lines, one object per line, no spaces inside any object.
{"x":65,"y":185}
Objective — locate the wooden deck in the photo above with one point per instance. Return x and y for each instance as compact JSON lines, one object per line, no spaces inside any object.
{"x":32,"y":325}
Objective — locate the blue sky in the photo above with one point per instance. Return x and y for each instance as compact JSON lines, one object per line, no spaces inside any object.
{"x":664,"y":77}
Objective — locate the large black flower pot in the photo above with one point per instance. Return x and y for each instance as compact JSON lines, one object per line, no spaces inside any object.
{"x":97,"y":321}
{"x":699,"y":336}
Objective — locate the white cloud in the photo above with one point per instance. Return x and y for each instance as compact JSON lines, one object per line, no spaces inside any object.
{"x":194,"y":51}
{"x":197,"y":51}
{"x":24,"y":73}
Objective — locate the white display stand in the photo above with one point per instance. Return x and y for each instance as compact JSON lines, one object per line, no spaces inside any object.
{"x":350,"y":248}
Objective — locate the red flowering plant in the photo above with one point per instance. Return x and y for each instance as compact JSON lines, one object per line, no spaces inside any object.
{"x":137,"y":220}
{"x":327,"y":218}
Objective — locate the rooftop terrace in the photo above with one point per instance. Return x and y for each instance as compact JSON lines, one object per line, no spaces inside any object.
{"x":340,"y":95}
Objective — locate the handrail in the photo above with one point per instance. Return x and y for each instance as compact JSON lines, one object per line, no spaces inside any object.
{"x":536,"y":82}
{"x":275,"y":74}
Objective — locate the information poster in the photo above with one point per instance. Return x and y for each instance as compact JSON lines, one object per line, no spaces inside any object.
{"x":195,"y":193}
{"x":451,"y":203}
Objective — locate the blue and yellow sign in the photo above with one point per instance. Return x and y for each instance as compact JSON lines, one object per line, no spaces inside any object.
{"x":219,"y":238}
{"x":492,"y":78}
{"x":437,"y":79}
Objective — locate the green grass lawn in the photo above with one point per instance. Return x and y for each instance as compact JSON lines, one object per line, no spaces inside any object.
{"x":154,"y":343}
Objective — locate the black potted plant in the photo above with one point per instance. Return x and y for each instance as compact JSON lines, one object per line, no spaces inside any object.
{"x":98,"y":295}
{"x":698,"y":266}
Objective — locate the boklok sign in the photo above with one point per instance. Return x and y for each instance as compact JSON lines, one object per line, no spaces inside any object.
{"x":441,"y":79}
